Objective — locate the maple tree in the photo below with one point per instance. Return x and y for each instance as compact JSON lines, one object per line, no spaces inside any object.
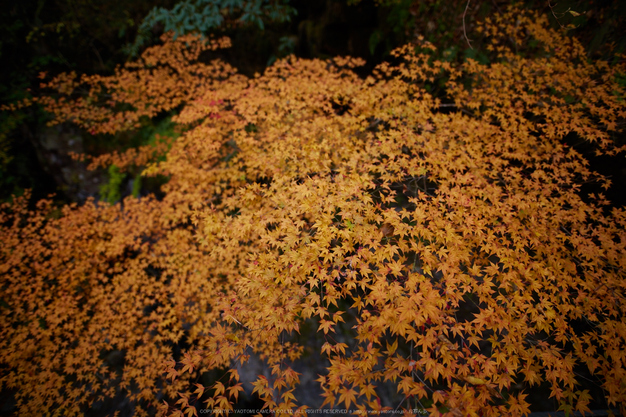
{"x":453,"y":237}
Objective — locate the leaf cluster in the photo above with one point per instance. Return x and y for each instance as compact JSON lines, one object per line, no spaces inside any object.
{"x":206,"y":16}
{"x":453,"y":237}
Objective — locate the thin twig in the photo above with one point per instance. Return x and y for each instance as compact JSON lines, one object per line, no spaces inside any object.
{"x":552,"y":10}
{"x":464,"y":32}
{"x":562,"y":14}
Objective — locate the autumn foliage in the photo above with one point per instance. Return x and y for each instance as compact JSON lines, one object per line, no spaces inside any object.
{"x":442,"y":245}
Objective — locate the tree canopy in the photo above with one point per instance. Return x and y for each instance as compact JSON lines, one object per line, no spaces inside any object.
{"x":438,"y":243}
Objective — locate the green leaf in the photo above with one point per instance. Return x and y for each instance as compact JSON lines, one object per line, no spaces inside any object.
{"x":374,"y":40}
